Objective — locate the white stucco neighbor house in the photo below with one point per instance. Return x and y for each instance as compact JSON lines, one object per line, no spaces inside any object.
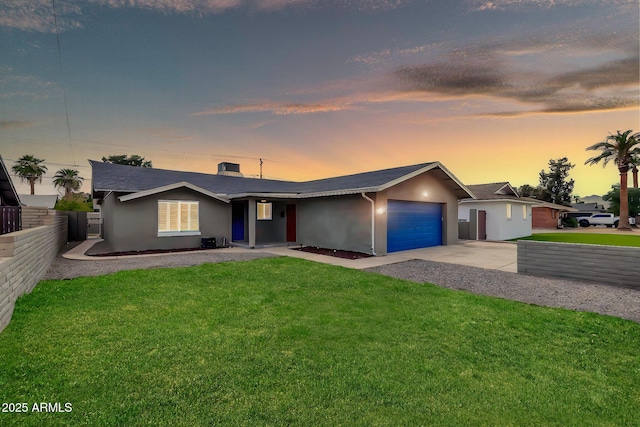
{"x":499,"y":212}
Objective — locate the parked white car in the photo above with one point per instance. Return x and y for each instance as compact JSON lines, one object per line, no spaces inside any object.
{"x":607,"y":219}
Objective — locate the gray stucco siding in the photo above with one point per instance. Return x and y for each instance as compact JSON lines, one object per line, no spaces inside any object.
{"x":107,"y":223}
{"x":133,"y":225}
{"x":273,"y":230}
{"x":339,"y":222}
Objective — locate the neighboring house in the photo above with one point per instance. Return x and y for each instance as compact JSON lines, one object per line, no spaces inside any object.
{"x":587,"y":209}
{"x":374,"y":212}
{"x":10,"y":211}
{"x":548,"y":215}
{"x":595,"y":199}
{"x":38,"y":200}
{"x":498,"y":211}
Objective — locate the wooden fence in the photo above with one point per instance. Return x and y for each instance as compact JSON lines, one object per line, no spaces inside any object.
{"x":10,"y":219}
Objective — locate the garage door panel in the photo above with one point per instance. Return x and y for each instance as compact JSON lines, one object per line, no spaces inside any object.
{"x":412,"y":225}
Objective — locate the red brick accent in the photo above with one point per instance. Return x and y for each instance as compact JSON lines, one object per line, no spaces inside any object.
{"x":544,"y":217}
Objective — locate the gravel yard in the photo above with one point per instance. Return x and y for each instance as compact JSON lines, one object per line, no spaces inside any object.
{"x":63,"y":268}
{"x":571,"y":294}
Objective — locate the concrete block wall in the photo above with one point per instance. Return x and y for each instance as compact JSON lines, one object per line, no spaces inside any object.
{"x":25,"y":256}
{"x":35,"y":217}
{"x":613,"y":265}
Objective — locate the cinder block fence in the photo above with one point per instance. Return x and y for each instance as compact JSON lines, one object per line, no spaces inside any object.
{"x":25,"y":255}
{"x":613,"y":265}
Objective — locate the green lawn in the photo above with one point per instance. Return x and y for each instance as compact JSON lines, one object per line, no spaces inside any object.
{"x":283,"y":341}
{"x":619,"y":239}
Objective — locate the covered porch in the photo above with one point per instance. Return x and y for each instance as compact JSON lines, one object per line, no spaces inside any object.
{"x":263,"y":222}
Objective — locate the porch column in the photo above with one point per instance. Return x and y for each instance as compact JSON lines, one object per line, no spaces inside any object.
{"x":252,"y":223}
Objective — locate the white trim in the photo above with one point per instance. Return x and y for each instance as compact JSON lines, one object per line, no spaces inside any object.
{"x":13,"y":189}
{"x":305,"y":195}
{"x":513,"y":190}
{"x":169,"y":187}
{"x":178,"y":233}
{"x":167,"y":221}
{"x":524,"y":202}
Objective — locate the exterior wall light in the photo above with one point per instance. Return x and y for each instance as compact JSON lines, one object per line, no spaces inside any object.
{"x":380,"y":211}
{"x":425,"y":194}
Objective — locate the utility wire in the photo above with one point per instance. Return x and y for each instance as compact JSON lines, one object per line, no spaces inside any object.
{"x":64,"y":92}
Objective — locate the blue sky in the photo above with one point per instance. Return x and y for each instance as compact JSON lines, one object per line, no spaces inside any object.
{"x":492,"y":89}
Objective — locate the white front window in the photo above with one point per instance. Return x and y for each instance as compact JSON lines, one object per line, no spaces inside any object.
{"x":178,"y":218}
{"x":524,"y":212}
{"x":264,"y":211}
{"x":508,"y":210}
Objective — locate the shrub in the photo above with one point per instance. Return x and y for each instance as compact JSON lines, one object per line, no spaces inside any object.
{"x":75,"y":202}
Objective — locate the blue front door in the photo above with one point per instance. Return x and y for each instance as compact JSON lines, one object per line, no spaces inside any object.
{"x":413,"y":225}
{"x":237,"y":221}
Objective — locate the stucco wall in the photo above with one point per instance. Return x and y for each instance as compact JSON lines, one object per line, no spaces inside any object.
{"x":106,"y":209}
{"x":133,"y":225}
{"x":274,"y":230}
{"x":25,"y":257}
{"x":498,"y":226}
{"x":615,"y":265}
{"x":342,"y":222}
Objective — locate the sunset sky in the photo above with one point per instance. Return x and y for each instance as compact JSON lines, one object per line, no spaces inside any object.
{"x":319,"y":88}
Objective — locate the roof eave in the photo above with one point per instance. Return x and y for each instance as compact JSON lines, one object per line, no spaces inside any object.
{"x":5,"y":171}
{"x":152,"y":191}
{"x":310,"y":195}
{"x":515,"y":200}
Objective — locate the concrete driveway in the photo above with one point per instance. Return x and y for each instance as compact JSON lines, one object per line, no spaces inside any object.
{"x":491,"y":255}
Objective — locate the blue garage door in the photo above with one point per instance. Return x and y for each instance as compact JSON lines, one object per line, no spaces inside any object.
{"x":413,"y":225}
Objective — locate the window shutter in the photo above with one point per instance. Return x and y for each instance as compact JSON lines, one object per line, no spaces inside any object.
{"x":163,"y":210}
{"x":184,"y":216}
{"x":194,"y":216}
{"x":174,"y":212}
{"x":177,"y":216}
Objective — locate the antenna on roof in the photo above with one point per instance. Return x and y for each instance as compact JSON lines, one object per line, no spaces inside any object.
{"x":261,"y":162}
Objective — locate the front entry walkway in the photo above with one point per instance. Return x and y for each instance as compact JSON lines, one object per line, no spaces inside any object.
{"x":491,"y":255}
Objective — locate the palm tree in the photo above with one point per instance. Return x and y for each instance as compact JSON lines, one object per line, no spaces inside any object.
{"x":635,"y":161}
{"x":621,"y":148}
{"x":68,"y":179}
{"x":29,"y":168}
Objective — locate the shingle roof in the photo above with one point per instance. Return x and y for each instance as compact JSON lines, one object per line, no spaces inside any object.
{"x":120,"y":178}
{"x":129,"y":179}
{"x":588,"y":207}
{"x":493,"y":191}
{"x":543,"y":204}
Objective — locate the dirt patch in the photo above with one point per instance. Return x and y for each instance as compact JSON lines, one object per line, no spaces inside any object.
{"x":338,"y":253}
{"x":150,"y":252}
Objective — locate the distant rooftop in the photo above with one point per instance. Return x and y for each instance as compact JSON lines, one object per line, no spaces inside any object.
{"x":493,"y":191}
